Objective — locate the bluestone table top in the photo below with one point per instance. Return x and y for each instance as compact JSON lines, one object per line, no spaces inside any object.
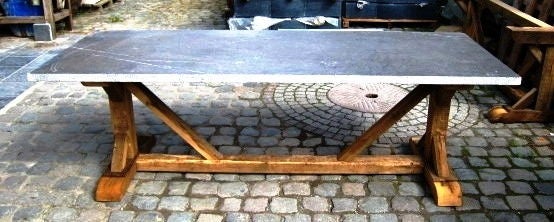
{"x":277,"y":56}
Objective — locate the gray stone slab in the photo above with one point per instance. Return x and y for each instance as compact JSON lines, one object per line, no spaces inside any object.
{"x":230,"y":56}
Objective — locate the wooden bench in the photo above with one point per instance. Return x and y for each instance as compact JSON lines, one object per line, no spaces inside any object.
{"x":439,"y":63}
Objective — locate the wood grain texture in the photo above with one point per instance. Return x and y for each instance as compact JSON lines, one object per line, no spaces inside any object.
{"x":112,"y":187}
{"x":546,"y":84}
{"x":385,"y":122}
{"x":295,"y":164}
{"x":513,"y":14}
{"x":532,"y":35}
{"x":447,"y":193}
{"x":169,"y":117}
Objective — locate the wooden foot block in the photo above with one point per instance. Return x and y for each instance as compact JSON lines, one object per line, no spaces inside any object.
{"x":505,"y":114}
{"x":446,"y":192}
{"x":112,"y":187}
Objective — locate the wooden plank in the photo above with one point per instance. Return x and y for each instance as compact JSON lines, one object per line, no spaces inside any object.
{"x":447,"y":193}
{"x":123,"y":123}
{"x":546,"y":85}
{"x":536,"y":52}
{"x":385,"y":122}
{"x":169,"y":117}
{"x":112,"y":187}
{"x":513,"y":14}
{"x":296,"y":164}
{"x":532,"y":35}
{"x":526,"y":100}
{"x":21,"y":19}
{"x":506,"y":114}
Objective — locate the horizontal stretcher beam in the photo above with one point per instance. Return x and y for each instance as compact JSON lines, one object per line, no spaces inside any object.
{"x":296,"y":164}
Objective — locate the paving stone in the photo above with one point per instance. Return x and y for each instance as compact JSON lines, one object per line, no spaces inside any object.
{"x":489,"y":188}
{"x":276,"y":177}
{"x":283,"y":205}
{"x":232,"y":189}
{"x":316,"y":204}
{"x":247,"y":121}
{"x":279,"y":151}
{"x":400,"y":203}
{"x":290,"y":142}
{"x":326,"y":218}
{"x":146,"y":202}
{"x":121,"y":216}
{"x":469,"y":204}
{"x":256,"y":204}
{"x":251,"y":177}
{"x":545,"y":174}
{"x":222,"y":140}
{"x":523,"y":151}
{"x":174,"y":203}
{"x":230,"y":150}
{"x":431,"y":207}
{"x":267,"y":189}
{"x":149,"y":216}
{"x":546,"y":202}
{"x":505,"y":217}
{"x":181,"y":217}
{"x":410,"y":189}
{"x":476,"y":141}
{"x":13,"y":182}
{"x":343,"y":205}
{"x":545,"y":162}
{"x":178,"y":188}
{"x":494,"y":203}
{"x":520,"y":187}
{"x":516,"y":141}
{"x":270,"y":132}
{"x":327,"y":189}
{"x":492,"y":174}
{"x":456,"y":163}
{"x":543,"y":188}
{"x":381,"y":188}
{"x":500,"y":162}
{"x":205,"y":188}
{"x":535,"y":217}
{"x":312,"y":142}
{"x":32,"y":213}
{"x":521,"y":203}
{"x":209,"y":218}
{"x":473,"y":217}
{"x":353,"y":189}
{"x":545,"y":151}
{"x":231,"y":204}
{"x":358,"y":178}
{"x":466,"y":174}
{"x":237,"y":217}
{"x":298,"y":218}
{"x":524,"y":163}
{"x":373,"y":205}
{"x":442,"y":218}
{"x":499,"y":152}
{"x":62,"y":214}
{"x":266,"y":218}
{"x":382,"y":217}
{"x":521,"y":174}
{"x":292,"y":132}
{"x":478,"y":162}
{"x":226,"y":177}
{"x":198,"y":176}
{"x":198,"y":204}
{"x":271,"y":122}
{"x":354,"y":218}
{"x":267,"y":141}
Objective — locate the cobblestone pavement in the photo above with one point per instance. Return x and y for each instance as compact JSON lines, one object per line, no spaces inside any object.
{"x":56,"y":142}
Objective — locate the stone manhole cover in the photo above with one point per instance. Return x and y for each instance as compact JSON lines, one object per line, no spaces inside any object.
{"x":308,"y":106}
{"x":368,"y":98}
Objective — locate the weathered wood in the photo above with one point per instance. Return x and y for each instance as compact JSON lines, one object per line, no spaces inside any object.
{"x":385,"y":122}
{"x":536,"y":52}
{"x":526,"y":100}
{"x":532,"y":35}
{"x":447,"y":193}
{"x":434,"y":140}
{"x":123,"y":123}
{"x":346,"y":21}
{"x":169,"y":117}
{"x":506,"y":114}
{"x":546,"y":9}
{"x":297,"y":164}
{"x":513,"y":14}
{"x":112,"y":187}
{"x":49,"y":15}
{"x":545,"y":94}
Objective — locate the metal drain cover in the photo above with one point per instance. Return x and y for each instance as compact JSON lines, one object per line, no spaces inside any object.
{"x":369,"y":98}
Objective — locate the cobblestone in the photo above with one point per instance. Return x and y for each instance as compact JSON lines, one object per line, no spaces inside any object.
{"x":283,"y":205}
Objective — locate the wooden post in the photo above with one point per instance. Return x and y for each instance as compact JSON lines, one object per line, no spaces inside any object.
{"x":546,"y":85}
{"x":49,"y":15}
{"x":113,"y":184}
{"x":444,"y":185}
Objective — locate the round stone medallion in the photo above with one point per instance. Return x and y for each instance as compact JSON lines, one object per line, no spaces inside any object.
{"x":367,"y":98}
{"x":331,"y":111}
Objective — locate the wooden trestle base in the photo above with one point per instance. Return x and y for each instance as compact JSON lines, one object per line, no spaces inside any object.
{"x":429,"y":152}
{"x":507,"y":114}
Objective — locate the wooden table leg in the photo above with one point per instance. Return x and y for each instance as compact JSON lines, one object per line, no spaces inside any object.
{"x":443,"y":183}
{"x":113,"y":184}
